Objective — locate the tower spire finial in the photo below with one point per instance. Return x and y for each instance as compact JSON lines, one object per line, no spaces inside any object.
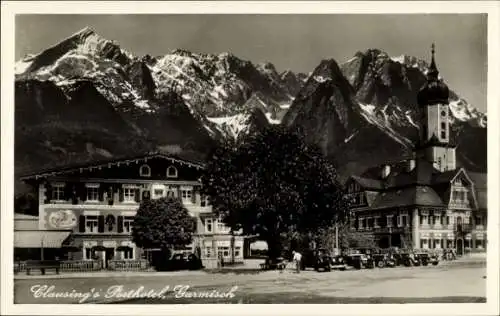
{"x":433,"y":72}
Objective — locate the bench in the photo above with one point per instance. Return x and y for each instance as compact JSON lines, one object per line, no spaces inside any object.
{"x":42,"y":265}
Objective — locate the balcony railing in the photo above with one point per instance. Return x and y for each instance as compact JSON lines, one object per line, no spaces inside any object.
{"x":463,"y":228}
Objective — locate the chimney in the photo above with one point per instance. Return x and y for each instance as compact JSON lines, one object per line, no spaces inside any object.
{"x":410,"y":165}
{"x":386,"y":170}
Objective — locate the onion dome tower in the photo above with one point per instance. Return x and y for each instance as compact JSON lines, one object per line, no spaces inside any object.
{"x":433,"y":104}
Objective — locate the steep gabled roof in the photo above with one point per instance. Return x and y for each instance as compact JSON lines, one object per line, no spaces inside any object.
{"x":368,"y":183}
{"x":444,"y":177}
{"x":409,"y":196}
{"x":110,"y":163}
{"x":480,"y":182}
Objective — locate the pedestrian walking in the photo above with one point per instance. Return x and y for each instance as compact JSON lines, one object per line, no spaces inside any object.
{"x":297,"y":258}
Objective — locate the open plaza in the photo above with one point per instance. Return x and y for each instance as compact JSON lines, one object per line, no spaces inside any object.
{"x":459,"y":281}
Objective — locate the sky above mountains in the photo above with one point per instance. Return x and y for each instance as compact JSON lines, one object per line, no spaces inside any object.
{"x":296,"y":42}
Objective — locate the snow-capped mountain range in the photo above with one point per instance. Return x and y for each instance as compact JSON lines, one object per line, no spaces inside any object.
{"x":187,"y":99}
{"x":215,"y":86}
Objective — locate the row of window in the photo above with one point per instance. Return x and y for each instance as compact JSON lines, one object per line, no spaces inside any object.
{"x":102,"y":224}
{"x":91,"y":254}
{"x":212,"y":223}
{"x":224,"y":252}
{"x":402,"y":221}
{"x":130,"y":194}
{"x":426,"y":243}
{"x":145,"y":171}
{"x":377,"y":221}
{"x":358,"y":198}
{"x":92,"y":193}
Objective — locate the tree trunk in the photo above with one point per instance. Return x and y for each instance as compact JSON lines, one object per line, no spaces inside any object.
{"x":274,"y":247}
{"x":232,"y":247}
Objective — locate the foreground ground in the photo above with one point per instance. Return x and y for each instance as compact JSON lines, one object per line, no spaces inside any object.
{"x":459,"y":281}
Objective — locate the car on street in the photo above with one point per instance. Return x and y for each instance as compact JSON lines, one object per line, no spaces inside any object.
{"x":356,"y":260}
{"x":182,"y":261}
{"x":318,"y":259}
{"x":425,"y":258}
{"x":338,"y":263}
{"x":383,"y":260}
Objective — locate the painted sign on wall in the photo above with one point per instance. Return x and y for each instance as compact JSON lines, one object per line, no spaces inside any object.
{"x":62,"y":219}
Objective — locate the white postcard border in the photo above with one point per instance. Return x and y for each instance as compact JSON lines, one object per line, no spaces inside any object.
{"x":10,"y":8}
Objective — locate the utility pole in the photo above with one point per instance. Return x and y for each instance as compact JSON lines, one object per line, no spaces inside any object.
{"x":337,"y":236}
{"x":41,"y":249}
{"x":390,"y":237}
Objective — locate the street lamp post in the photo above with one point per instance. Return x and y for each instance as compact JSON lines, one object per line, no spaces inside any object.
{"x":41,"y":248}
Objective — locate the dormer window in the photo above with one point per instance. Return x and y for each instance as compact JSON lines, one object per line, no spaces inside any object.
{"x":171,"y":172}
{"x":145,"y":171}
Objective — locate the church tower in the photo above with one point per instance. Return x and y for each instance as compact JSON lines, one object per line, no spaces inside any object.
{"x":434,"y":141}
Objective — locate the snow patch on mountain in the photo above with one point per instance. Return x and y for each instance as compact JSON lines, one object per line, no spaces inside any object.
{"x":232,"y":126}
{"x":272,"y":120}
{"x":320,"y":79}
{"x":370,"y":114}
{"x":21,"y":66}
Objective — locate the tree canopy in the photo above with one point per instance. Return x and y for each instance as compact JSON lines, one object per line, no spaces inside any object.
{"x":162,"y":223}
{"x":272,"y":184}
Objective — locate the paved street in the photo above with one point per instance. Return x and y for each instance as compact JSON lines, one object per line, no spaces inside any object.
{"x":448,"y":282}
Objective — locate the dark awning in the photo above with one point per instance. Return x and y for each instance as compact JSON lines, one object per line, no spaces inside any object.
{"x":39,"y":238}
{"x":123,"y":248}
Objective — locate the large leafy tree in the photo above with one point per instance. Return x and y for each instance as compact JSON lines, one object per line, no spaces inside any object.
{"x":273,"y":184}
{"x":162,"y":223}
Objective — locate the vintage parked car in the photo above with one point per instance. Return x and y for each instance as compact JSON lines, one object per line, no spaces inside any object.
{"x":408,"y":259}
{"x":396,"y":257}
{"x":182,"y":261}
{"x":338,"y":263}
{"x":356,"y":260}
{"x":317,"y":259}
{"x":383,"y":260}
{"x":425,"y":258}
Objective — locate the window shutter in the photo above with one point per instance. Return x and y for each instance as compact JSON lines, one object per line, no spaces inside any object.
{"x":120,"y":190}
{"x":101,"y":193}
{"x":83,"y":192}
{"x":193,"y":195}
{"x":137,"y":195}
{"x":68,"y":190}
{"x":81,"y":224}
{"x":395,"y":221}
{"x":48,"y":193}
{"x":119,"y":226}
{"x":102,"y":188}
{"x":179,"y":194}
{"x":100,"y":224}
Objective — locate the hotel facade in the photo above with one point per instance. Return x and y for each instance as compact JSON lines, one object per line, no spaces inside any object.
{"x":87,"y":211}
